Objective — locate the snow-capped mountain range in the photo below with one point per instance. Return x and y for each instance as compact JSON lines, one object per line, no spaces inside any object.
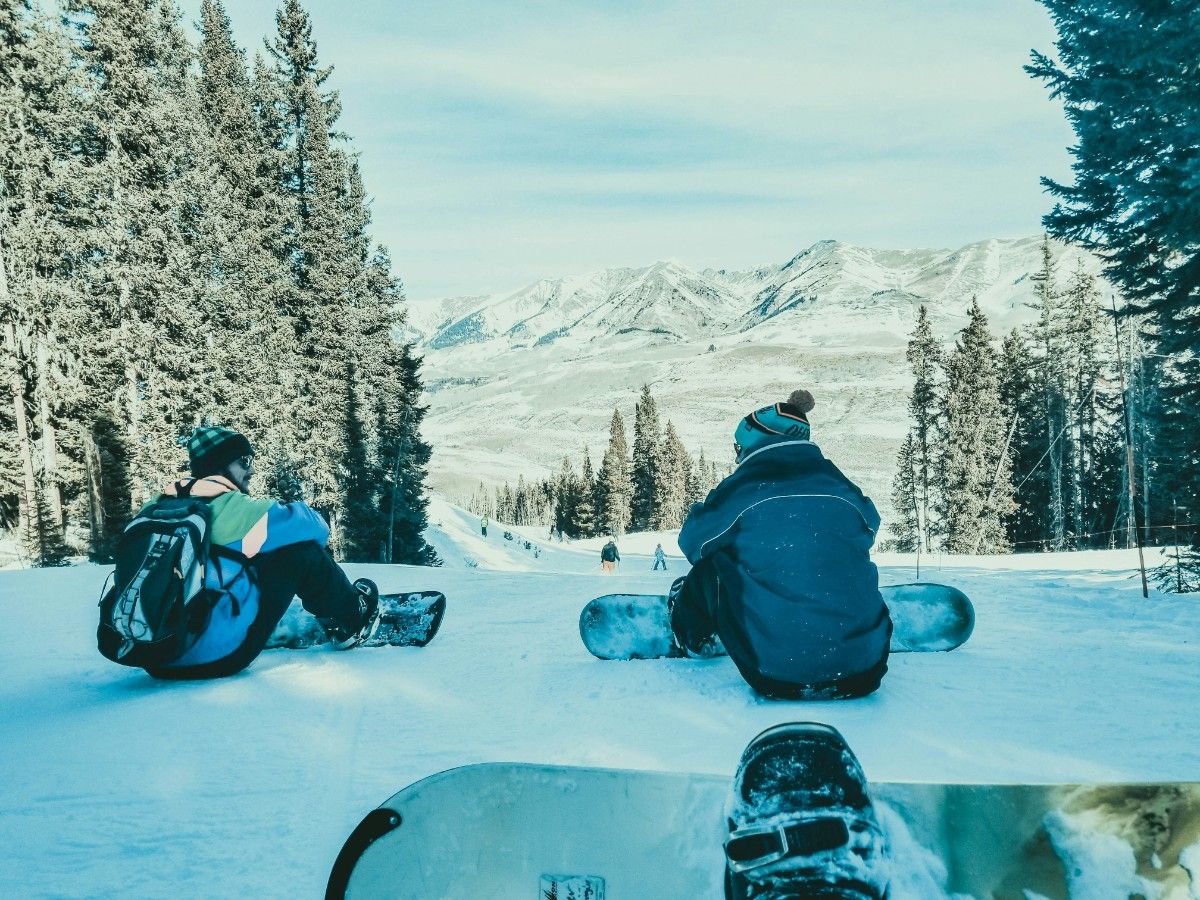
{"x":518,"y":380}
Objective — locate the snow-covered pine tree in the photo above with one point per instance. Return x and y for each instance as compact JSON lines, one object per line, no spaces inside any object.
{"x":566,"y":497}
{"x":1020,"y":397}
{"x":906,"y":532}
{"x":645,"y":449}
{"x":698,"y":481}
{"x":326,"y":253}
{"x":585,"y":505}
{"x":39,"y":98}
{"x":976,"y":476}
{"x":148,"y":193}
{"x":1090,"y":419}
{"x":1048,"y":336}
{"x":1133,"y":161}
{"x":924,"y":355}
{"x":614,"y":489}
{"x":249,"y":275}
{"x":671,"y":473}
{"x":401,"y":454}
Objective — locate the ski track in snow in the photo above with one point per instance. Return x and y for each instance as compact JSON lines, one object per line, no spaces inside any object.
{"x":114,"y":784}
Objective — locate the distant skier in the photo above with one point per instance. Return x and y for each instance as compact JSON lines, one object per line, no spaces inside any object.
{"x":781,"y":568}
{"x":660,"y":558}
{"x":264,"y":552}
{"x":609,"y":557}
{"x":483,"y":524}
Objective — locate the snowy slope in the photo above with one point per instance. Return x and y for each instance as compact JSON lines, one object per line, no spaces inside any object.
{"x":515,"y":381}
{"x":115,"y":785}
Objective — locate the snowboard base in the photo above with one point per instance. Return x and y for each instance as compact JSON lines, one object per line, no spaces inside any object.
{"x":925,"y":618}
{"x":405,"y":620}
{"x":510,"y":830}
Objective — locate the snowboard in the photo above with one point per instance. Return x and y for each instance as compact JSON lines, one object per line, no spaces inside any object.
{"x":512,"y":831}
{"x":405,"y":620}
{"x":925,"y":618}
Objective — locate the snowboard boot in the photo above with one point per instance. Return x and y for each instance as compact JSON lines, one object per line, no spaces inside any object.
{"x":708,"y":648}
{"x":368,"y":609}
{"x":801,"y":823}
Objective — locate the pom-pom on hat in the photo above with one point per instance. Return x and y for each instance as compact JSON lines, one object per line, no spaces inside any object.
{"x":780,"y":421}
{"x":211,"y":448}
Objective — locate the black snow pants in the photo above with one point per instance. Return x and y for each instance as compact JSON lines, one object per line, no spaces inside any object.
{"x":305,"y":570}
{"x":695,"y":600}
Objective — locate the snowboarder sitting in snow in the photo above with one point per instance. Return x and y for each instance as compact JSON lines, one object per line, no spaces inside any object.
{"x":609,"y":557}
{"x":278,"y":551}
{"x":781,"y":575}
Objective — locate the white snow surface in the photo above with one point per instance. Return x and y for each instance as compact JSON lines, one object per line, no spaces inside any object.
{"x":112,"y":784}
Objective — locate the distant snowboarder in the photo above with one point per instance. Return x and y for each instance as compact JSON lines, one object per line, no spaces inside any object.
{"x":660,"y":558}
{"x":483,"y":524}
{"x":781,"y":569}
{"x":263,"y":553}
{"x":609,"y":557}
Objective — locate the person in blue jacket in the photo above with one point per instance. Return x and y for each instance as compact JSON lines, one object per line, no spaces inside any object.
{"x":279,"y":551}
{"x":781,"y":577}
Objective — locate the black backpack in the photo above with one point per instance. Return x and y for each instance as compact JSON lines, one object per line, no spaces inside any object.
{"x":158,"y":605}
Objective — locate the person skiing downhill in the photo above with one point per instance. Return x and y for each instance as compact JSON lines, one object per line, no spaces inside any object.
{"x":279,"y":551}
{"x":781,"y":575}
{"x":609,"y":557}
{"x":660,"y":558}
{"x":483,"y":524}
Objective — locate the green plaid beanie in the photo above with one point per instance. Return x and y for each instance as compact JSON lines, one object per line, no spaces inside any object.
{"x":211,"y":448}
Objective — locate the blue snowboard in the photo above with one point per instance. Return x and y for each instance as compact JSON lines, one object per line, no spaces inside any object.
{"x":925,"y":618}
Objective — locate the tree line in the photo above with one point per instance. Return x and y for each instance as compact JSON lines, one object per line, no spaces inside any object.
{"x":1125,"y":72}
{"x":184,"y":239}
{"x":648,"y":487}
{"x":1017,"y":444}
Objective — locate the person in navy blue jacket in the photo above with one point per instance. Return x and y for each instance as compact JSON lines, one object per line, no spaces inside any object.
{"x":781,"y":577}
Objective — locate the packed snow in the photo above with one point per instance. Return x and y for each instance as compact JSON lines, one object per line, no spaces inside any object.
{"x":114,"y":784}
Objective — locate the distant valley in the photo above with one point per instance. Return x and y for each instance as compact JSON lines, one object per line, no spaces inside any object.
{"x":516,"y":381}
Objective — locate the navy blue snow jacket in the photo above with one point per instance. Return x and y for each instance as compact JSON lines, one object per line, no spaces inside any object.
{"x":790,"y":537}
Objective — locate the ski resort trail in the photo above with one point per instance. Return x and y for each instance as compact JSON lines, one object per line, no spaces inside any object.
{"x":112,"y":784}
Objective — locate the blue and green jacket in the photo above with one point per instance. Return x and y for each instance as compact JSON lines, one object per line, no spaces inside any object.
{"x":790,"y":539}
{"x":248,"y":527}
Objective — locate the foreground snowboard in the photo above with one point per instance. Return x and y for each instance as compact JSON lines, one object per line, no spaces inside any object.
{"x":925,"y":617}
{"x":526,"y":831}
{"x":405,"y":620}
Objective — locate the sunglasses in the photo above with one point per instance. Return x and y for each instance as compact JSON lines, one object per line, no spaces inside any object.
{"x":245,"y":461}
{"x":760,"y":845}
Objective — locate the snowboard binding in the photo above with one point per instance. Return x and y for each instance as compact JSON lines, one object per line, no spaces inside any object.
{"x":368,"y":607}
{"x":801,"y":824}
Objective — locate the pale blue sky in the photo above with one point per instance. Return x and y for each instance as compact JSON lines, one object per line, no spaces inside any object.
{"x":504,"y":142}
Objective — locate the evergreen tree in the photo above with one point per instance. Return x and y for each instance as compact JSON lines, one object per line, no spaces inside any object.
{"x":671,"y":473}
{"x":1125,"y":71}
{"x":906,"y":529}
{"x":699,"y":483}
{"x":1049,"y":335}
{"x":614,"y":489}
{"x":645,"y":452}
{"x":924,"y":354}
{"x":585,"y":504}
{"x":1020,"y":398}
{"x":403,"y":456}
{"x":39,"y":111}
{"x":976,"y":474}
{"x":566,"y":500}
